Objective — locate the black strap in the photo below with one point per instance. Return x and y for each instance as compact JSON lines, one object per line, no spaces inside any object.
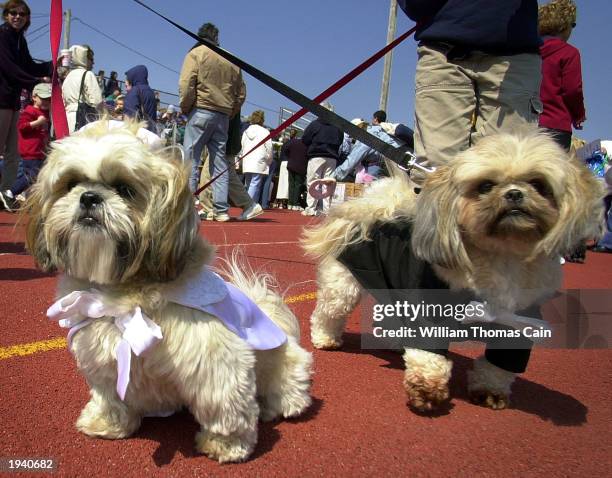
{"x":81,"y":88}
{"x":395,"y":154}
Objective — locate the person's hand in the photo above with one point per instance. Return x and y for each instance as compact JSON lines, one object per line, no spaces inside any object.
{"x":40,"y":122}
{"x":578,"y":124}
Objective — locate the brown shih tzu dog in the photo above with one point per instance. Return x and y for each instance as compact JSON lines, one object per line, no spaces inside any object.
{"x":493,"y":222}
{"x":153,"y":328}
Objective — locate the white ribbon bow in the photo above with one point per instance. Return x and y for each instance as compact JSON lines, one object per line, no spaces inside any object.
{"x":80,"y":308}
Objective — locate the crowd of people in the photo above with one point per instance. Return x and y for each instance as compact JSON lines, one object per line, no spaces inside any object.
{"x":478,"y":72}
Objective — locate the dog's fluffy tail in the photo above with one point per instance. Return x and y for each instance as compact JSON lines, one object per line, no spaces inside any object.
{"x":262,"y":289}
{"x":351,"y":222}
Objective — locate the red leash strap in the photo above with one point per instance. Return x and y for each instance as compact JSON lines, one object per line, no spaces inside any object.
{"x":58,"y":111}
{"x":321,"y":97}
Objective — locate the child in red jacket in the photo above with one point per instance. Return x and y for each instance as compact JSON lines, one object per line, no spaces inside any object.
{"x":33,"y":139}
{"x":561,"y":89}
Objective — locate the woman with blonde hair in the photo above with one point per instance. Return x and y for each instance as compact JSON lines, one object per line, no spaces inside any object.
{"x":561,"y":89}
{"x":256,"y":165}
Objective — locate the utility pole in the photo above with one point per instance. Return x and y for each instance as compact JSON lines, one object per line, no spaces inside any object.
{"x":384,"y":91}
{"x":67,"y":18}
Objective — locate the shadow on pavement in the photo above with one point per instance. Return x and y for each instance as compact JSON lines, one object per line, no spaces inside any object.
{"x":176,"y":434}
{"x":22,"y":274}
{"x":527,"y":396}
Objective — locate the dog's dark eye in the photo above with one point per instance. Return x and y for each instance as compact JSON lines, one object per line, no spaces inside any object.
{"x":125,"y":191}
{"x":485,"y":187}
{"x":71,"y":184}
{"x":541,"y":187}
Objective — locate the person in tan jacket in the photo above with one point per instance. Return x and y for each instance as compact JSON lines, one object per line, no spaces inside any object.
{"x":211,"y":91}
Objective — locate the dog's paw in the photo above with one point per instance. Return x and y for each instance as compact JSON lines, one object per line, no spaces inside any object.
{"x":106,"y":423}
{"x":275,"y":406}
{"x":226,"y":448}
{"x":489,"y":385}
{"x":326,"y":343}
{"x":426,"y":396}
{"x":493,"y":400}
{"x":426,"y":379}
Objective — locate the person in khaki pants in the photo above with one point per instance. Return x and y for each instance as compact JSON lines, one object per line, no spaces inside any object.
{"x":478,"y":72}
{"x":238,"y":194}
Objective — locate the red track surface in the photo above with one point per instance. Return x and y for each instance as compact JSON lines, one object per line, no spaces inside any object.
{"x":559,"y":423}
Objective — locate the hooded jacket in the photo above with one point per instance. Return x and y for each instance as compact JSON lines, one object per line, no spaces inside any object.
{"x":141,"y":95}
{"x":17,"y":69}
{"x":561,"y":89}
{"x":260,"y":159}
{"x":92,"y":95}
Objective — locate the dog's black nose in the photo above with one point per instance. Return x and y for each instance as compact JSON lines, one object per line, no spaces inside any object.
{"x":514,"y":195}
{"x":90,"y":199}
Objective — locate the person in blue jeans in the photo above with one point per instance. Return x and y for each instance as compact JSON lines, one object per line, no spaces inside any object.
{"x":32,"y":141}
{"x":211,"y":90}
{"x":605,"y":243}
{"x":256,"y":162}
{"x":371,"y":159}
{"x":602,"y":150}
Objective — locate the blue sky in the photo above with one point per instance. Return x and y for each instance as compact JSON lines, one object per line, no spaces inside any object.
{"x":308,"y":45}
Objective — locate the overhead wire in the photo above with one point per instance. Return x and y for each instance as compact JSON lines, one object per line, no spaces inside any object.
{"x":29,"y":33}
{"x":78,"y":19}
{"x":124,"y":45}
{"x":32,"y":40}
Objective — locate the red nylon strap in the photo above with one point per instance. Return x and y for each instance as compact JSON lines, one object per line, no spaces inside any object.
{"x":321,"y":97}
{"x":58,"y":112}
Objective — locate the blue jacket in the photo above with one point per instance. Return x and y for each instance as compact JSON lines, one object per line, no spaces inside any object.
{"x":362,"y":153}
{"x":501,"y":27}
{"x":141,"y":94}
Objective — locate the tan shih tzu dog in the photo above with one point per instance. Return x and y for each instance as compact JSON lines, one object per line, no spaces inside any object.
{"x":153,"y":329}
{"x":493,"y":222}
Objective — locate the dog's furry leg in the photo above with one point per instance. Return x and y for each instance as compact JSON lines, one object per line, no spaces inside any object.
{"x":426,"y":379}
{"x":337,"y":295}
{"x":221,"y":391}
{"x":489,"y":385}
{"x":283,"y":380}
{"x":283,"y":374}
{"x":105,"y":416}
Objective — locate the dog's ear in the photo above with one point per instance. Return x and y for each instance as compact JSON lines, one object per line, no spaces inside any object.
{"x":32,"y":213}
{"x":581,"y":211}
{"x":436,"y":236}
{"x":171,"y":221}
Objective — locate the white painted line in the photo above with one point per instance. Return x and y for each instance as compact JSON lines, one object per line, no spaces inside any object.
{"x":255,"y":244}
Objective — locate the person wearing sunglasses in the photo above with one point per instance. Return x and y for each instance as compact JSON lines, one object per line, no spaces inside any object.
{"x":17,"y":71}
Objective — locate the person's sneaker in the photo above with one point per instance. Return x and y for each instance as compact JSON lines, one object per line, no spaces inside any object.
{"x":206,"y":216}
{"x":309,"y":212}
{"x":7,"y":202}
{"x":251,"y":212}
{"x":223,"y":217}
{"x":603,"y":249}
